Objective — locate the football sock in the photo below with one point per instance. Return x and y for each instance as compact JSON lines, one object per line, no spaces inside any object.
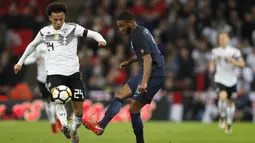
{"x":61,"y":114}
{"x":222,"y":105}
{"x":112,"y":110}
{"x":230,"y":113}
{"x":76,"y":123}
{"x":137,"y":125}
{"x":54,"y":128}
{"x":53,"y":112}
{"x":50,"y":112}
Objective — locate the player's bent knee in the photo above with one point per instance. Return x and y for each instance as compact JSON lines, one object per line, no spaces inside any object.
{"x":118,"y":95}
{"x":223,"y":95}
{"x":230,"y":102}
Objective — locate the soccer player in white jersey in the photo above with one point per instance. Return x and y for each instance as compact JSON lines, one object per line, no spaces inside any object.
{"x":38,"y":56}
{"x":224,"y":60}
{"x":62,"y":62}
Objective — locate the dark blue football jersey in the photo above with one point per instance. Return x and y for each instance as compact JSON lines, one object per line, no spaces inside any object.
{"x":142,"y":42}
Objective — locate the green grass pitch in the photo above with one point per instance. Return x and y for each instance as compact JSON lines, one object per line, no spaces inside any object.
{"x":155,"y":132}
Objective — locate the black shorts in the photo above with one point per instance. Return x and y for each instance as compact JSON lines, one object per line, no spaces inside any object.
{"x":153,"y":86}
{"x":73,"y":81}
{"x":43,"y":90}
{"x":231,"y":91}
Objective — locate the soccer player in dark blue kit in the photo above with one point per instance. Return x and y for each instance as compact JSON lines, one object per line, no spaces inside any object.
{"x":144,"y":85}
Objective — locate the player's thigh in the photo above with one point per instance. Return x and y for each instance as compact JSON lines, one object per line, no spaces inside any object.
{"x":231,"y":93}
{"x":76,"y":86}
{"x":153,"y":86}
{"x":129,"y":89}
{"x":124,"y":92}
{"x":45,"y":93}
{"x":222,"y":91}
{"x":223,"y":95}
{"x":53,"y":81}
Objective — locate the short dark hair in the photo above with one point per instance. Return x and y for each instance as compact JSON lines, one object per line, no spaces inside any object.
{"x":56,"y":7}
{"x":126,"y":15}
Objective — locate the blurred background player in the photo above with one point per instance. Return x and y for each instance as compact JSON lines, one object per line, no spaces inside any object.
{"x":62,"y":62}
{"x":38,"y":56}
{"x":224,"y":60}
{"x":144,"y":85}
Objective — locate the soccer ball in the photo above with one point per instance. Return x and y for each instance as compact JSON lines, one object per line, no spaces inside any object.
{"x":61,"y":94}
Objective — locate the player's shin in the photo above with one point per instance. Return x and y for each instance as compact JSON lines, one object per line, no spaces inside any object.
{"x":112,"y":110}
{"x":222,"y":105}
{"x":76,"y":123}
{"x":77,"y":120}
{"x":137,"y":125}
{"x":50,"y":112}
{"x":61,"y":114}
{"x":47,"y":107}
{"x":53,"y":112}
{"x":230,"y":113}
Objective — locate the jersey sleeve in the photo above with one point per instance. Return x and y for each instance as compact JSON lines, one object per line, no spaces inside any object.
{"x":31,"y":47}
{"x":237,"y":54}
{"x":31,"y":58}
{"x":143,"y":42}
{"x":79,"y":30}
{"x":212,"y":56}
{"x":39,"y":49}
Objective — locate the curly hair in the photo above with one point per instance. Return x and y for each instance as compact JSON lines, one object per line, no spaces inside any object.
{"x":56,"y":8}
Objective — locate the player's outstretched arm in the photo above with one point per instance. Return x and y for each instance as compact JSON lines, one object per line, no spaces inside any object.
{"x":97,"y":36}
{"x":239,"y":62}
{"x":30,"y":48}
{"x":211,"y":66}
{"x":82,"y":32}
{"x":212,"y":62}
{"x":125,"y":64}
{"x":132,"y":60}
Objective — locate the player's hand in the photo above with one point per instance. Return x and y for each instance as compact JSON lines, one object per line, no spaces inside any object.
{"x":17,"y":68}
{"x":101,"y":44}
{"x":142,"y":88}
{"x":124,"y":65}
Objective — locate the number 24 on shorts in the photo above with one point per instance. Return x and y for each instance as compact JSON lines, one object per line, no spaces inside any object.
{"x":78,"y":94}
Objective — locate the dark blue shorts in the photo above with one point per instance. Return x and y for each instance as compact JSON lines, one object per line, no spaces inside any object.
{"x":153,"y":86}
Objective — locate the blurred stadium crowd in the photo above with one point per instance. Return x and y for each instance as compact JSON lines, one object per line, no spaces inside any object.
{"x":185,"y":30}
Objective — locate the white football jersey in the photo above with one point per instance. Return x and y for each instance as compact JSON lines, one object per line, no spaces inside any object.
{"x":38,"y":56}
{"x":61,"y":57}
{"x":225,"y":71}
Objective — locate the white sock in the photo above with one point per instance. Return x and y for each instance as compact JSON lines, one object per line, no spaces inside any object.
{"x":230,"y":113}
{"x":48,"y":111}
{"x":53,"y":112}
{"x":61,"y":114}
{"x":76,"y":123}
{"x":222,"y":105}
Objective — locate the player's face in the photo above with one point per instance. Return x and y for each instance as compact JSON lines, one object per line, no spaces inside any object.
{"x":57,"y":19}
{"x":223,"y":39}
{"x":124,"y":27}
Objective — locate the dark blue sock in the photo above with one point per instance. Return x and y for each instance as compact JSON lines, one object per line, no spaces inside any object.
{"x":137,"y":125}
{"x":112,"y":110}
